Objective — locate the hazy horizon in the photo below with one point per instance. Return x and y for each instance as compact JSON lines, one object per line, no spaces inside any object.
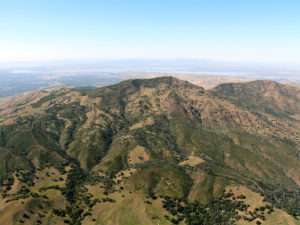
{"x":184,"y":66}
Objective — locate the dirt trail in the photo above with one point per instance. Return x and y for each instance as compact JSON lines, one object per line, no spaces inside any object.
{"x":193,"y":152}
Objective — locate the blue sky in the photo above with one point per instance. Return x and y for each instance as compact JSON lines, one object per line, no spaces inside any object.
{"x":227,"y":30}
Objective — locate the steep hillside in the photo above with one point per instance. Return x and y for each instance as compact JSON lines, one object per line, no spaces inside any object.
{"x":151,"y":150}
{"x":263,"y":96}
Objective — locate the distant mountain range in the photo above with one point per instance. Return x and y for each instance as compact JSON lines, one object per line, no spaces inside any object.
{"x":152,"y":151}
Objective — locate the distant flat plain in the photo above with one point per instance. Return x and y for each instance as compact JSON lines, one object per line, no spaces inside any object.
{"x":18,"y":83}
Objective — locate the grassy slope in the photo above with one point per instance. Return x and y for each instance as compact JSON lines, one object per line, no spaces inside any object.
{"x":129,"y":207}
{"x":37,"y":208}
{"x":278,"y":217}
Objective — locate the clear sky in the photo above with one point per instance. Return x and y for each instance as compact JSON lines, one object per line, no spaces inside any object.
{"x":230,"y":30}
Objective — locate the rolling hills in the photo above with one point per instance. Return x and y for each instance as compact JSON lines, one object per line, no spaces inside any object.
{"x":152,"y":151}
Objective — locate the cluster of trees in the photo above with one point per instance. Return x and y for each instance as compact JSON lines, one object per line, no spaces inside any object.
{"x":75,"y":179}
{"x":287,"y":200}
{"x":226,"y":209}
{"x":7,"y":183}
{"x":77,"y":195}
{"x":26,"y":176}
{"x":107,"y":199}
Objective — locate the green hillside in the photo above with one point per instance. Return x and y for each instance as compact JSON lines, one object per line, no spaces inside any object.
{"x":152,"y":151}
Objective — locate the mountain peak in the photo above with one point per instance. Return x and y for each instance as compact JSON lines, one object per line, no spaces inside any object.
{"x":169,"y":80}
{"x":266,"y":96}
{"x":133,"y":85}
{"x":264,"y":85}
{"x":257,"y":85}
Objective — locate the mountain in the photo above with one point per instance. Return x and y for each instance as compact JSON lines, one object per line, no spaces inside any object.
{"x":264,"y":96}
{"x":152,"y":151}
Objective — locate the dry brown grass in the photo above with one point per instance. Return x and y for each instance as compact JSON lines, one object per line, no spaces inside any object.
{"x":192,"y":161}
{"x":138,"y":155}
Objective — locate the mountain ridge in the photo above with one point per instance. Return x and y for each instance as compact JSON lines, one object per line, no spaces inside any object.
{"x":160,"y":136}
